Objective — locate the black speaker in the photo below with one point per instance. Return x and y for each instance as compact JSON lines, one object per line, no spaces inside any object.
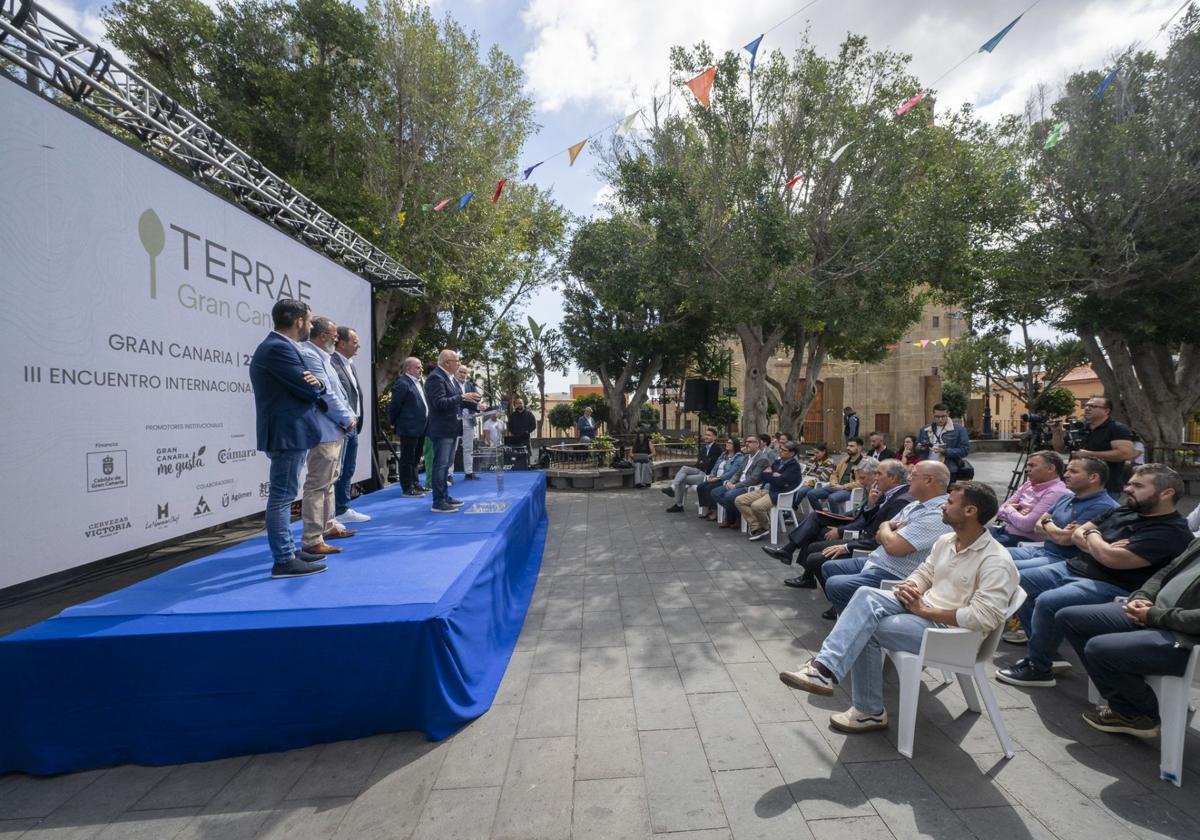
{"x":700,"y":394}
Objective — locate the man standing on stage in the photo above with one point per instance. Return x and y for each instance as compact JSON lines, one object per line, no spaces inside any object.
{"x":287,"y":399}
{"x":346,"y":348}
{"x":463,"y":375}
{"x":446,"y":400}
{"x":408,"y":413}
{"x":521,"y":423}
{"x":324,"y":459}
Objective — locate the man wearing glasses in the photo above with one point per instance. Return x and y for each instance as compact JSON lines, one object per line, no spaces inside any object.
{"x":942,"y":441}
{"x":446,"y":399}
{"x":1105,"y":439}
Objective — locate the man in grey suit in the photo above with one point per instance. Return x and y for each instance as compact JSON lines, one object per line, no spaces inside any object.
{"x":343,"y":362}
{"x":324,"y":459}
{"x":758,"y":458}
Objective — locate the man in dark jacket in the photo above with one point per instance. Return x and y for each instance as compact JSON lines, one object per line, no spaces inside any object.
{"x":1152,"y":633}
{"x":886,"y":498}
{"x":521,"y":424}
{"x":408,"y":413}
{"x":446,"y":399}
{"x":694,"y":476}
{"x":783,"y":475}
{"x":943,"y":441}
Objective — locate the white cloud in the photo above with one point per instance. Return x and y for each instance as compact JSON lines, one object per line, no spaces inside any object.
{"x":607,"y":55}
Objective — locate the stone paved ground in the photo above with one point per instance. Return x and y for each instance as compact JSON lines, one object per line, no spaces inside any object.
{"x":643,"y":701}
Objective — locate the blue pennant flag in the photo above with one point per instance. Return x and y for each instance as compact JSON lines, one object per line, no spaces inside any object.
{"x":529,"y":171}
{"x":999,"y":36}
{"x":465,"y":200}
{"x":1108,"y":80}
{"x":752,"y":48}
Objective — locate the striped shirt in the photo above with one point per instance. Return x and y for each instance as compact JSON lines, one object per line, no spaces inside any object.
{"x":922,"y":526}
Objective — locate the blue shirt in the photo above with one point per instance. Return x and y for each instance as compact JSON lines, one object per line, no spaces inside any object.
{"x":922,"y":526}
{"x":1078,"y":509}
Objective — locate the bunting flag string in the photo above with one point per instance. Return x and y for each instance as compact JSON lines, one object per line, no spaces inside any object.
{"x":752,"y":48}
{"x":627,"y":123}
{"x":792,"y":183}
{"x":529,"y":170}
{"x":574,"y":151}
{"x":441,"y":205}
{"x":701,"y":85}
{"x":993,"y":42}
{"x":1108,"y":80}
{"x":499,"y":189}
{"x":840,"y":151}
{"x":1056,"y":135}
{"x":465,"y":200}
{"x":910,"y":104}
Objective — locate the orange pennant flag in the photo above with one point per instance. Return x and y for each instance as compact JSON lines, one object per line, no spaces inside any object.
{"x":574,"y":151}
{"x":701,"y":85}
{"x":790,"y":184}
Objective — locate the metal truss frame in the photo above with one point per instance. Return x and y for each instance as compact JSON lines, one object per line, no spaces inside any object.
{"x":50,"y":51}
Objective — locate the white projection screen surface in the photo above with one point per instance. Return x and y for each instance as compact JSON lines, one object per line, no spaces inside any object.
{"x":133,"y":300}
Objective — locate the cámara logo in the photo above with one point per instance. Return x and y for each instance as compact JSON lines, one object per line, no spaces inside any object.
{"x":229,"y":456}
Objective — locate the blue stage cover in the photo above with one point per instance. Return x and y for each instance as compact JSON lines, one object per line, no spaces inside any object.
{"x":411,"y":628}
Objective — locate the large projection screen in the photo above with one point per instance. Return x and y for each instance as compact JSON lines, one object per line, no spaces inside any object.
{"x":133,"y":300}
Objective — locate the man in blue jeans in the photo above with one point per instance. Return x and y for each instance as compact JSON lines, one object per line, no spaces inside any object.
{"x":343,"y":362}
{"x":904,"y":541}
{"x":287,"y":397}
{"x":967,"y":581}
{"x":1118,"y":552}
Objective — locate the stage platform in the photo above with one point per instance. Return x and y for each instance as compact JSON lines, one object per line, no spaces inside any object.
{"x":411,"y":628}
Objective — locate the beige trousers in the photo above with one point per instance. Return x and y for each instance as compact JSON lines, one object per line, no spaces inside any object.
{"x":755,"y":506}
{"x":317,"y":506}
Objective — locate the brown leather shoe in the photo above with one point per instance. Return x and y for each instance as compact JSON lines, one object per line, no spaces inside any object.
{"x":728,"y":525}
{"x":338,"y":533}
{"x":321,"y":548}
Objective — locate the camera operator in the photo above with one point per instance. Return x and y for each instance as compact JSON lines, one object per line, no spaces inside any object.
{"x":1103,"y":438}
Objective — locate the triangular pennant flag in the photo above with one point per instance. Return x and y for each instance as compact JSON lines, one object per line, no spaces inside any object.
{"x":627,"y":124}
{"x":752,"y":48}
{"x":465,"y":200}
{"x":945,"y":342}
{"x":910,"y":104}
{"x":529,"y":171}
{"x":441,"y":205}
{"x":701,"y":85}
{"x":728,"y":216}
{"x":401,"y":217}
{"x":1056,"y":134}
{"x":499,"y":189}
{"x":425,"y":208}
{"x":838,"y":153}
{"x":1108,"y":80}
{"x":574,"y":151}
{"x":892,"y":347}
{"x":995,"y":40}
{"x":924,"y":342}
{"x":917,"y":344}
{"x":790,"y":184}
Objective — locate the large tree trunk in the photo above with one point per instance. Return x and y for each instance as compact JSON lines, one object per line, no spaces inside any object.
{"x":401,"y":337}
{"x":1152,"y":390}
{"x":808,"y":356}
{"x":757,"y":347}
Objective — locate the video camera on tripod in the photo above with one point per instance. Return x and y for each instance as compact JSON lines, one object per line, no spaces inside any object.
{"x":1041,"y":435}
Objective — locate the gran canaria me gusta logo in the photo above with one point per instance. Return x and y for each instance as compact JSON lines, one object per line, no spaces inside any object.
{"x":154,"y":239}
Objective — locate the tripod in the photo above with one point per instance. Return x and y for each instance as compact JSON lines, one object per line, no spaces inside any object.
{"x":1033,"y":443}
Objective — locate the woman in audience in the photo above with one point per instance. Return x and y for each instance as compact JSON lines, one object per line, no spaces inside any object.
{"x":728,"y":466}
{"x":642,"y":453}
{"x":908,"y":452}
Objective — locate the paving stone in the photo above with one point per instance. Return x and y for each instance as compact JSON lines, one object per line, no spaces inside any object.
{"x":759,"y":805}
{"x":146,"y":825}
{"x":604,"y":672}
{"x":821,"y":786}
{"x":659,"y":699}
{"x":611,"y":809}
{"x":1084,"y":769}
{"x":1004,"y":823}
{"x":550,"y":707}
{"x":703,"y":834}
{"x":607,"y":741}
{"x":306,"y":819}
{"x":671,"y":596}
{"x":712,"y":607}
{"x":477,"y":755}
{"x":191,"y":785}
{"x":680,"y":791}
{"x":630,"y":585}
{"x":785,"y":655}
{"x":537,"y":798}
{"x":557,"y":652}
{"x":38,"y":796}
{"x":464,"y":814}
{"x":762,"y":623}
{"x":601,"y":596}
{"x":12,"y":829}
{"x":850,"y":828}
{"x":101,"y":802}
{"x":563,"y":614}
{"x":1151,"y":818}
{"x":730,"y":737}
{"x":908,"y":806}
{"x":639,"y":611}
{"x":603,"y":629}
{"x":683,"y":626}
{"x":701,"y":668}
{"x":647,"y":647}
{"x":734,"y":642}
{"x":516,"y":677}
{"x":766,"y":698}
{"x":341,"y":768}
{"x":953,"y":774}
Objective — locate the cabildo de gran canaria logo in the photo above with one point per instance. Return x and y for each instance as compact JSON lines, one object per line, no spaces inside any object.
{"x":204,"y":263}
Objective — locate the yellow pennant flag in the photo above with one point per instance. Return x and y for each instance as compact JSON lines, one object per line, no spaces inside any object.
{"x":943,"y":341}
{"x":574,"y":151}
{"x":401,"y":217}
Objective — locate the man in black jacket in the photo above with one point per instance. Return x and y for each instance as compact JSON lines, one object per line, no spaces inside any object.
{"x":784,"y":475}
{"x":1152,"y":633}
{"x":521,"y":423}
{"x":886,"y":498}
{"x":694,"y":476}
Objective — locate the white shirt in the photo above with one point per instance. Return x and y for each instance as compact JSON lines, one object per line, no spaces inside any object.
{"x":420,"y":390}
{"x":493,"y":431}
{"x":977,"y":582}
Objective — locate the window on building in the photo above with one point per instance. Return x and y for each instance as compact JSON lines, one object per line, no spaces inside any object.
{"x":936,"y":321}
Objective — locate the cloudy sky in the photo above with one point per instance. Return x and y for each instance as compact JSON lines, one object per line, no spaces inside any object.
{"x":589,"y":62}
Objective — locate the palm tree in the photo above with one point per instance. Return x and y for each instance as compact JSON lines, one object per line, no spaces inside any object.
{"x":544,"y":349}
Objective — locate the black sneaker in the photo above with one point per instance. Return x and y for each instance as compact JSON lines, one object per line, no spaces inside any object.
{"x":296,"y":568}
{"x":416,"y":494}
{"x":471,"y":477}
{"x":444,"y":507}
{"x":783,"y":555}
{"x":675,"y":509}
{"x":829,"y":614}
{"x":1106,"y":720}
{"x":802,"y":582}
{"x":1024,"y":674}
{"x":667,"y":491}
{"x":453,"y":501}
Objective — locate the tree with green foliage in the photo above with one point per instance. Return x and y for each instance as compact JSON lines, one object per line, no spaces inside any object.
{"x":1056,"y":402}
{"x":727,"y":413}
{"x":544,"y":349}
{"x":955,"y":399}
{"x":562,"y":417}
{"x":597,"y":403}
{"x":1021,"y":370}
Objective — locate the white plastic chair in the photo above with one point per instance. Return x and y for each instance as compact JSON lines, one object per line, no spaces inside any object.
{"x":888,"y":586}
{"x":1174,"y":703}
{"x":850,"y":505}
{"x":963,"y":652}
{"x":783,"y":507}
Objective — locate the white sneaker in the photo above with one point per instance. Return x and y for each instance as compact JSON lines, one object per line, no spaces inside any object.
{"x":809,"y":679}
{"x":852,"y":720}
{"x":351,"y":515}
{"x":758,"y":534}
{"x":1060,"y":666}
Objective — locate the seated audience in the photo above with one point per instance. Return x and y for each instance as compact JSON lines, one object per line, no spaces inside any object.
{"x":904,"y":540}
{"x":1118,"y":552}
{"x":877,"y":447}
{"x":887,"y":497}
{"x":727,"y":466}
{"x":693,"y":476}
{"x":816,"y":471}
{"x":968,"y":581}
{"x":782,"y":476}
{"x":642,"y":453}
{"x":1022,"y":510}
{"x":758,"y":458}
{"x":908,"y":454}
{"x":842,"y":482}
{"x":1152,"y":633}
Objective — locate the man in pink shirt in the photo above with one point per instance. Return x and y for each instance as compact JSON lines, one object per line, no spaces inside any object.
{"x":1020,"y":513}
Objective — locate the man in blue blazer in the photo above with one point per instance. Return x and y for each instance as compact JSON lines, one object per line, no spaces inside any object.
{"x":942,"y":441}
{"x":287,"y":397}
{"x":408,"y":413}
{"x":446,"y":399}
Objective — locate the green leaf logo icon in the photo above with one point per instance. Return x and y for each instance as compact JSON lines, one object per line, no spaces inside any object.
{"x":150,"y":231}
